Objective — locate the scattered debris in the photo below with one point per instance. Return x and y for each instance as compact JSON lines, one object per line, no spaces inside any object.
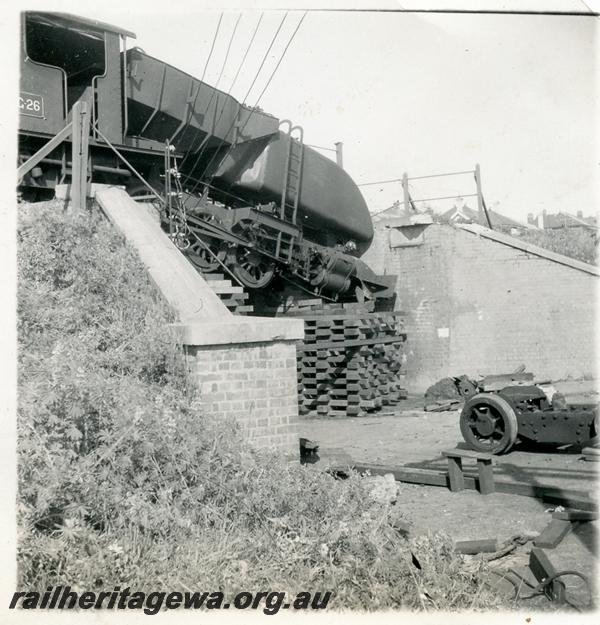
{"x":308,"y":451}
{"x":384,"y":488}
{"x":443,"y":405}
{"x":446,"y":388}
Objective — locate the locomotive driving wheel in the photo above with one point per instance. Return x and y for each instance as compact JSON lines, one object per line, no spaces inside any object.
{"x":206,"y":253}
{"x":488,"y":423}
{"x":252,"y":268}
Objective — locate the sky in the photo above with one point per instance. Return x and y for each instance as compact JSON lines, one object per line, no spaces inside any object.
{"x":420,"y":93}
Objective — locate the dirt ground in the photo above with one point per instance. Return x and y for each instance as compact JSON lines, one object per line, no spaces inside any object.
{"x":415,"y":438}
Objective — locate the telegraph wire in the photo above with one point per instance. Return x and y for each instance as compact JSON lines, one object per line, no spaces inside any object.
{"x":204,"y":143}
{"x":273,"y":39}
{"x":246,"y":53}
{"x":212,"y":95}
{"x":212,"y":48}
{"x":265,"y":56}
{"x":278,"y":64}
{"x":268,"y":81}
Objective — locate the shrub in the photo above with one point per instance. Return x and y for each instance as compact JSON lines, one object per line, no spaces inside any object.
{"x":123,"y":480}
{"x":577,"y":243}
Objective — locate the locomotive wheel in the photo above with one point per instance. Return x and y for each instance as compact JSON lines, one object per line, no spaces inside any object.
{"x":488,"y":423}
{"x":202,"y":258}
{"x":252,"y":269}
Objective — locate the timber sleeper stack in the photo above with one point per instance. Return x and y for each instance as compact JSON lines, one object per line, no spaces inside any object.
{"x":351,"y":363}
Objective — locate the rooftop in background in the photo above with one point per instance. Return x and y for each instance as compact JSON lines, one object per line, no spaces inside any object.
{"x":563,"y":220}
{"x":466,"y":215}
{"x":397,"y":215}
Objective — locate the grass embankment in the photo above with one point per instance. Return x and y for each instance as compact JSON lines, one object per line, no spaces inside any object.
{"x":124,"y":481}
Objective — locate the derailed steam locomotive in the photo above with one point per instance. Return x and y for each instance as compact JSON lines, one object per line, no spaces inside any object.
{"x":251,"y":195}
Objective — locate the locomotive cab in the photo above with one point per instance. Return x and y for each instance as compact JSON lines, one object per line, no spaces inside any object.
{"x":65,"y":60}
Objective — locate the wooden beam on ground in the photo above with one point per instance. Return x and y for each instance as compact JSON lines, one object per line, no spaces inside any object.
{"x":554,"y":532}
{"x":430,"y":477}
{"x":575,"y":515}
{"x":471,"y":547}
{"x":543,"y":569}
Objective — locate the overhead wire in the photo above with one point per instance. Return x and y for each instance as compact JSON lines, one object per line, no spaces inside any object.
{"x":278,"y":64}
{"x":270,"y":79}
{"x":265,"y":56}
{"x":204,"y":143}
{"x":210,"y":53}
{"x":215,"y":88}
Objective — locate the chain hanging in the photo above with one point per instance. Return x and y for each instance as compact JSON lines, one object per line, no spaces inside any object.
{"x":179,"y":230}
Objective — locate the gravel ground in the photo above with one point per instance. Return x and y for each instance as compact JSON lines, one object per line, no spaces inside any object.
{"x":416,"y":438}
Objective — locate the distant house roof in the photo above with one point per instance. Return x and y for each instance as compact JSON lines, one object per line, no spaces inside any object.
{"x":566,"y":220}
{"x":397,"y":215}
{"x":465,"y":214}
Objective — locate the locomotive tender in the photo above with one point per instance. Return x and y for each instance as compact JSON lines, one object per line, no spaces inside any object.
{"x":252,"y":195}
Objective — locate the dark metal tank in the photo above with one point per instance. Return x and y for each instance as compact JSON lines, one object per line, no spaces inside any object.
{"x":166,"y":103}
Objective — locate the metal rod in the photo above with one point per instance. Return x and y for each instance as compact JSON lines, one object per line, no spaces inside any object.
{"x":405,"y":194}
{"x":339,"y":153}
{"x":31,"y":162}
{"x":480,"y":201}
{"x":452,"y":173}
{"x":366,"y":184}
{"x":446,"y":197}
{"x":320,"y":147}
{"x":133,"y":169}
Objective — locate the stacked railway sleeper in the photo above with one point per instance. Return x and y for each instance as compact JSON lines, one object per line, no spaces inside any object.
{"x":351,"y":362}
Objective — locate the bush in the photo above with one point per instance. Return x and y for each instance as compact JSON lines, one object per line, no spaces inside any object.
{"x":124,"y":481}
{"x":577,"y":243}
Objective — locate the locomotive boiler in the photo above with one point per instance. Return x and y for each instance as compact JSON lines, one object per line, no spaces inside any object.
{"x":241,"y":187}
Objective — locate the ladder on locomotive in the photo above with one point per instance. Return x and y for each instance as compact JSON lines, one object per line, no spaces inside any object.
{"x":290,"y":193}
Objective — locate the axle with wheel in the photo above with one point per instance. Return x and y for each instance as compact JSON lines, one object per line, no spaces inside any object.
{"x":493,"y":421}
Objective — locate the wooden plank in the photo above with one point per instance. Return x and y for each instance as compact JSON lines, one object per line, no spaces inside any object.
{"x":468,"y":453}
{"x":471,"y":547}
{"x":575,"y":515}
{"x":439,"y":478}
{"x":486,"y":476}
{"x":406,"y":474}
{"x":553,"y":533}
{"x":30,"y":163}
{"x":455,"y":473}
{"x":543,"y":569}
{"x":569,"y":499}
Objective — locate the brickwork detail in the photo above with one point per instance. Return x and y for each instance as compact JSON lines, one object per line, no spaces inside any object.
{"x":478,"y":306}
{"x":253,"y":383}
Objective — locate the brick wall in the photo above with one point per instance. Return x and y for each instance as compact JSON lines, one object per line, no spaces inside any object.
{"x":253,"y":383}
{"x":478,"y":306}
